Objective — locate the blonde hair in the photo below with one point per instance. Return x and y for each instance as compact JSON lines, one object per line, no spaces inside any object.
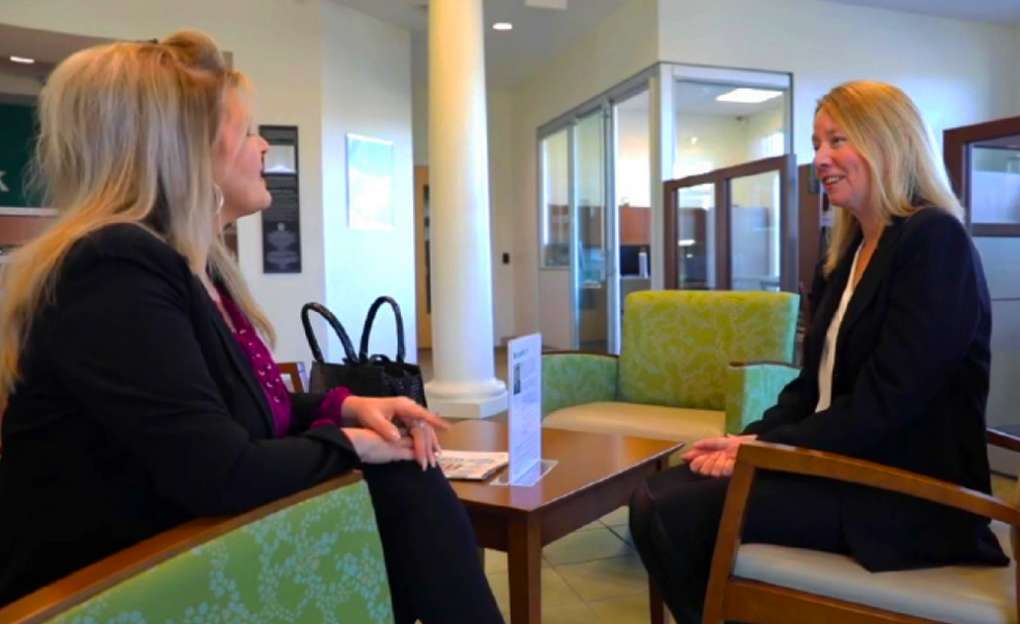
{"x":126,"y":136}
{"x":886,"y":128}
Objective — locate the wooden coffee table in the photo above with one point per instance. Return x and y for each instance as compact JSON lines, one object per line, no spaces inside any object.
{"x":595,"y":475}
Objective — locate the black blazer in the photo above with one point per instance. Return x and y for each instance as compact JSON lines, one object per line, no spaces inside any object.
{"x":909,"y":387}
{"x":137,"y":411}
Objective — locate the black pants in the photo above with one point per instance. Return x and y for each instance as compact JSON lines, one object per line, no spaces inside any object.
{"x":432,"y":560}
{"x":674,"y":518}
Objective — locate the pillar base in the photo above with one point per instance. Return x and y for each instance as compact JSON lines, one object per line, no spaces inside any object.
{"x":465,"y":401}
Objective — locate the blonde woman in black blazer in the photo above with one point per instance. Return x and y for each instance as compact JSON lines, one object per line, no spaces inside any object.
{"x":896,"y":369}
{"x":136,"y":385}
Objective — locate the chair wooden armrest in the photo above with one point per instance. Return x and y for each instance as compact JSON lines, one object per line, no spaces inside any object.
{"x":79,"y":586}
{"x":1003,"y":438}
{"x":753,"y":456}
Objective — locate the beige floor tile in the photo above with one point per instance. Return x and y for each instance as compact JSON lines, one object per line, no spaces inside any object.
{"x":556,"y":594}
{"x":606,"y":578}
{"x":619,"y":517}
{"x":628,"y":609}
{"x":588,"y":545}
{"x":623,"y":532}
{"x":496,"y":561}
{"x":1003,"y":487}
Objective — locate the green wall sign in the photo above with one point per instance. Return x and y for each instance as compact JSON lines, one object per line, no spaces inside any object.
{"x":17,"y":135}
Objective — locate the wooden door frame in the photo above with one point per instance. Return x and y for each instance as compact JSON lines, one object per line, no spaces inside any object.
{"x":956,"y":144}
{"x":786,"y":165}
{"x":421,"y":284}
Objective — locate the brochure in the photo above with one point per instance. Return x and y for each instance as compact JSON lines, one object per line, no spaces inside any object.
{"x":471,"y":465}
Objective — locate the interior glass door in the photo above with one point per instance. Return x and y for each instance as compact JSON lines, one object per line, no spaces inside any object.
{"x":754,"y":219}
{"x":589,"y":268}
{"x":632,"y":188}
{"x":695,"y":249}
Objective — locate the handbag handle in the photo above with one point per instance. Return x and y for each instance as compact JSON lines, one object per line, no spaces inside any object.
{"x":370,"y":319}
{"x":313,"y":343}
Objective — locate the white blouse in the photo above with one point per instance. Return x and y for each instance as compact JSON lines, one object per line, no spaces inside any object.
{"x":829,"y":348}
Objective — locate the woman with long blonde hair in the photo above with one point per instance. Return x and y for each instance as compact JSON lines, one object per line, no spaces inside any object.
{"x":896,"y":365}
{"x":136,"y":385}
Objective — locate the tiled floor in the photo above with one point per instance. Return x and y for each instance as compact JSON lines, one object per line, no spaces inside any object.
{"x":591,"y":575}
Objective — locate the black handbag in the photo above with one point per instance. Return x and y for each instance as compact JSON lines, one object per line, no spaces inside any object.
{"x":362,"y":374}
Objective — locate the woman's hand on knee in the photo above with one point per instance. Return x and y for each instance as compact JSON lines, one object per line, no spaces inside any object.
{"x":372,"y":448}
{"x":715,"y":457}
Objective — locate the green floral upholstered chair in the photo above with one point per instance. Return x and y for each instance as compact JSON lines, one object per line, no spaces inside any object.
{"x":311,"y":557}
{"x":693,"y":364}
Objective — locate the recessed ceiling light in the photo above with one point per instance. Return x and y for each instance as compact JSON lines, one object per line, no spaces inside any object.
{"x":748,"y":96}
{"x":694,"y":140}
{"x":502,"y":26}
{"x":23,"y":59}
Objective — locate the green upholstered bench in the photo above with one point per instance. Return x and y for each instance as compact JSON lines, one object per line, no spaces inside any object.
{"x":311,"y":557}
{"x":693,"y":364}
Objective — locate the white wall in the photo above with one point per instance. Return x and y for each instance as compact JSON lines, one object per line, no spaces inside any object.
{"x":621,"y":46}
{"x":420,"y":96}
{"x":280,"y":45}
{"x":366,"y":90}
{"x":953,"y":69}
{"x":505,"y":211}
{"x":14,"y":84}
{"x":632,"y":156}
{"x":503,"y":206}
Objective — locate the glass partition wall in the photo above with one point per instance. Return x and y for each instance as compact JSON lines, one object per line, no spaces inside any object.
{"x":601,"y":167}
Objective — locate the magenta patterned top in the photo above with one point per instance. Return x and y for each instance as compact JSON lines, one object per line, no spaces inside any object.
{"x":269,"y":375}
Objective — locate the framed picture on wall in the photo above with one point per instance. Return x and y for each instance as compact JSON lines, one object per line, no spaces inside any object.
{"x":369,"y":183}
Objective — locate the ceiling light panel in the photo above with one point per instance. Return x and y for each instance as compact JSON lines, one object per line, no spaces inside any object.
{"x":744,"y":95}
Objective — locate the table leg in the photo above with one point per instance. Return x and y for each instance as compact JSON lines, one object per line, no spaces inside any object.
{"x":524,"y":558}
{"x":658,"y":608}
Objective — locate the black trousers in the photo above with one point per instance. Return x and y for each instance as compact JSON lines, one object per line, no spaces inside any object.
{"x":674,"y":518}
{"x":432,"y":561}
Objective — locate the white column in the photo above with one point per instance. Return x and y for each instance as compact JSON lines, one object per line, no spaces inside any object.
{"x":465,"y":385}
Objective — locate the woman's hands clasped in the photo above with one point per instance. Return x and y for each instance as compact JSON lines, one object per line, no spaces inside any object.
{"x":714,"y":457}
{"x":392,"y":429}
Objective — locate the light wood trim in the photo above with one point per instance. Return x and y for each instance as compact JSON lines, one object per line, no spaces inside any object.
{"x":79,"y":586}
{"x":784,"y":458}
{"x":293,"y":370}
{"x":763,"y":362}
{"x":569,"y":352}
{"x":727,"y":541}
{"x":731,"y":598}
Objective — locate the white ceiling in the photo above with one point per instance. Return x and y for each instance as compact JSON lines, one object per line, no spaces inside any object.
{"x":510,"y":57}
{"x":46,"y":47}
{"x":994,"y":11}
{"x":696,"y":98}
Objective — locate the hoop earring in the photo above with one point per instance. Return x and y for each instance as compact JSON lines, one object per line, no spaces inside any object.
{"x":218,"y":195}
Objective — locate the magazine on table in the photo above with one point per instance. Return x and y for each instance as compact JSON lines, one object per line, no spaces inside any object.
{"x":471,"y":465}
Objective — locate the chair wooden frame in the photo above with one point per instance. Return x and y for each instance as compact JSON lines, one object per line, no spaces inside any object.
{"x":733,"y":598}
{"x":76,"y":588}
{"x":294,"y":370}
